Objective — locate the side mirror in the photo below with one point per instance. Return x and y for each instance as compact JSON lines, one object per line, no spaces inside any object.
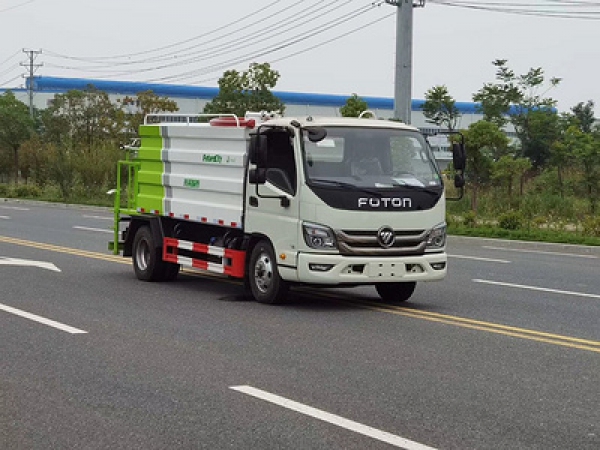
{"x":459,"y":156}
{"x":316,"y":134}
{"x":257,"y":176}
{"x":459,"y":181}
{"x":257,"y":152}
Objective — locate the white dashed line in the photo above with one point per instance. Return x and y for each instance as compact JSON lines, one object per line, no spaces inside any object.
{"x":40,"y":319}
{"x":536,"y":288}
{"x":339,"y":421}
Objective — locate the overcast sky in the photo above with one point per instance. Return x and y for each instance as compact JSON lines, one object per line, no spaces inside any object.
{"x":320,"y":46}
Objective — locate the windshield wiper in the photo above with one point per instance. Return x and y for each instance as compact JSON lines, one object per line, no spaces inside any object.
{"x":414,"y":187}
{"x":346,"y":185}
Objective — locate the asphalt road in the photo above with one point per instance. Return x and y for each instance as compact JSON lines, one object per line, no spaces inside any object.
{"x":503,"y":354}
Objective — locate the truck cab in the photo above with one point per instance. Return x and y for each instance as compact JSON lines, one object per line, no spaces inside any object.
{"x":346,"y":202}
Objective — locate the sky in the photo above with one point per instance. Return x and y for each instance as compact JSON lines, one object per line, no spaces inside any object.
{"x":317,"y":46}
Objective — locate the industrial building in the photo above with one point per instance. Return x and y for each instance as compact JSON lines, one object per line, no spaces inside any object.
{"x":192,"y":99}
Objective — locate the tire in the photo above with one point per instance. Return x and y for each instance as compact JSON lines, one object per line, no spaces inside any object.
{"x":171,"y":271}
{"x":395,"y":292}
{"x":147,"y":258}
{"x":265,"y":283}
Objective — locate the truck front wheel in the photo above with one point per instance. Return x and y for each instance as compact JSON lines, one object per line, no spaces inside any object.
{"x":395,"y":292}
{"x":265,"y":283}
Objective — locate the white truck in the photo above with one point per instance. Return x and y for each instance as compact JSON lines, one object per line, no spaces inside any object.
{"x":284,"y":201}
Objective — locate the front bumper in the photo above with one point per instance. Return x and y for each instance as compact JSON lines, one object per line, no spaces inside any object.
{"x":337,"y":269}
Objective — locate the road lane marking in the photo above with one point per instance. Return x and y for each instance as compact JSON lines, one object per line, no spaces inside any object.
{"x":334,"y":419}
{"x":67,"y":250}
{"x":40,"y":319}
{"x":522,"y":333}
{"x":477,"y":258}
{"x":489,"y":247}
{"x":536,"y":288}
{"x":98,"y":217}
{"x":28,"y":263}
{"x":14,"y":208}
{"x":463,"y":322}
{"x":5,"y":217}
{"x":95,"y":230}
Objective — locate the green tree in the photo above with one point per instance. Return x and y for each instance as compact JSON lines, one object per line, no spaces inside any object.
{"x":83,"y":118}
{"x":521,"y":100}
{"x":144,"y":103}
{"x":481,"y":140}
{"x":440,"y":108}
{"x":246,"y":91}
{"x":16,"y":127}
{"x":585,"y":148}
{"x":537,"y":130}
{"x":584,"y":115}
{"x":508,"y":169}
{"x":354,"y":106}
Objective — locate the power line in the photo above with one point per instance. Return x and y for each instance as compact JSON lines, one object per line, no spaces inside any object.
{"x":299,"y":37}
{"x":16,"y":6}
{"x":245,"y":43}
{"x":10,"y":81}
{"x":530,"y":9}
{"x":288,"y":23}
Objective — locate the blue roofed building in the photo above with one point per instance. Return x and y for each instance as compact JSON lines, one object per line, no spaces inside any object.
{"x":192,"y":99}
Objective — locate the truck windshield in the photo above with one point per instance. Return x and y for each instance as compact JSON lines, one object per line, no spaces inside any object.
{"x":371,"y":158}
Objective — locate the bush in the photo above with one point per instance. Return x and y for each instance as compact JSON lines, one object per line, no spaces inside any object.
{"x":27,"y":191}
{"x":591,"y":226}
{"x":470,"y":219}
{"x":512,"y":220}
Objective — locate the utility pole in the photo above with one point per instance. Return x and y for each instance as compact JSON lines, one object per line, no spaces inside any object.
{"x":32,"y":67}
{"x":404,"y":44}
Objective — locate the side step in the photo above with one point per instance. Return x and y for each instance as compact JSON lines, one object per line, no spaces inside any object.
{"x":231,"y":261}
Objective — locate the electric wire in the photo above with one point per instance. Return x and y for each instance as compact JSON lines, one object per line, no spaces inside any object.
{"x":530,"y":9}
{"x":5,"y":83}
{"x":300,"y":37}
{"x":223,"y":48}
{"x":16,"y":6}
{"x":232,"y":41}
{"x":320,"y":44}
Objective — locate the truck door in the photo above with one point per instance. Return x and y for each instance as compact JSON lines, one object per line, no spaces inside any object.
{"x":272,"y":208}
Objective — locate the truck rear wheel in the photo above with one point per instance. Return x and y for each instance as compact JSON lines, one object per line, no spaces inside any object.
{"x":395,"y":292}
{"x":265,"y":283}
{"x":147,"y":258}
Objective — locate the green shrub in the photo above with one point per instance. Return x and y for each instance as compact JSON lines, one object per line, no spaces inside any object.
{"x":591,"y":226}
{"x":512,"y":220}
{"x":27,"y":191}
{"x":470,"y":219}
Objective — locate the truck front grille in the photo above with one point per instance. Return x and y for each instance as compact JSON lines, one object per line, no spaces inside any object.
{"x":365,"y":243}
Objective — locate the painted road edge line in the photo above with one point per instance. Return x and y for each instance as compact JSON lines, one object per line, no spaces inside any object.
{"x":478,"y":258}
{"x":536,"y":288}
{"x":95,"y":230}
{"x":339,"y":421}
{"x":541,"y":252}
{"x":40,"y":319}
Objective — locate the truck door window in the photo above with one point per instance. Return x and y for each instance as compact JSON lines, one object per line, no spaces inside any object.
{"x":281,"y":164}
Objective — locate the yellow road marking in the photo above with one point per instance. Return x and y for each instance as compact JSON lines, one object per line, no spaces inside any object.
{"x":67,"y":250}
{"x":463,"y":322}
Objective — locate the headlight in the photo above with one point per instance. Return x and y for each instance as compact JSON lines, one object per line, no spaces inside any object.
{"x":319,"y":236}
{"x":437,"y":236}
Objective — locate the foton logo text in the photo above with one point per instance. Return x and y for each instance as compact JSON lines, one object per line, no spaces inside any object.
{"x":385,"y":202}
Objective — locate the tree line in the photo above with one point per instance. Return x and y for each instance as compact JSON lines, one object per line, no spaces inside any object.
{"x":69,"y":150}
